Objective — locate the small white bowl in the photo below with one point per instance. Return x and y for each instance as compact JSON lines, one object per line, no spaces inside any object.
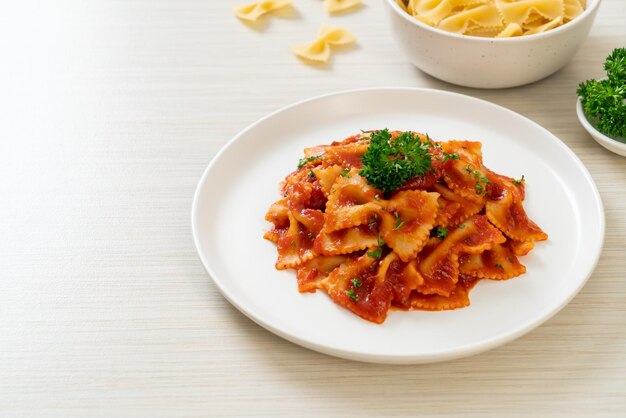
{"x":488,"y":62}
{"x":607,"y":142}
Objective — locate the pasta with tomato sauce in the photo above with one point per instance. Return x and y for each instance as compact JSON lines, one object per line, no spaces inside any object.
{"x":385,"y":220}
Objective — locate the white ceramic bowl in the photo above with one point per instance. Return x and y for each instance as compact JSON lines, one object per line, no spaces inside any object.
{"x":606,"y":141}
{"x":488,"y":62}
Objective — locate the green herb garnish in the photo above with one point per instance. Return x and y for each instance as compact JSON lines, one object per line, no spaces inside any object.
{"x":352,"y":295}
{"x":499,"y":266}
{"x":440,"y":232}
{"x":377,"y":253}
{"x":479,"y":187}
{"x":399,"y":221}
{"x":345,"y":172}
{"x":519,"y":182}
{"x":304,"y":161}
{"x":389,"y":163}
{"x":604,"y":101}
{"x":356,"y":282}
{"x":447,"y":157}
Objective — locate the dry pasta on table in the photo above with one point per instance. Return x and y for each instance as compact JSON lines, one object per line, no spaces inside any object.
{"x":494,"y":18}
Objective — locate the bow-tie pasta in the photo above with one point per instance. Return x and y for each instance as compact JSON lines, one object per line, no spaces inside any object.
{"x":494,"y":18}
{"x":319,"y":49}
{"x":421,"y":245}
{"x":251,"y":12}
{"x":336,"y":6}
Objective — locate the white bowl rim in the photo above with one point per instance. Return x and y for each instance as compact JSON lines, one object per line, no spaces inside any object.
{"x":552,"y":32}
{"x":596,"y":134}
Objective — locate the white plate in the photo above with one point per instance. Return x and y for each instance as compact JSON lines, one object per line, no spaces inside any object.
{"x":241,"y":182}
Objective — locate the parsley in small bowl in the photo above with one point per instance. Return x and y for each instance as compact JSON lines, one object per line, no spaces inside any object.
{"x":601,"y":105}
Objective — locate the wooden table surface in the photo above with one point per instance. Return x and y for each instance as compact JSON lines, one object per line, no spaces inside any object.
{"x":109,"y":113}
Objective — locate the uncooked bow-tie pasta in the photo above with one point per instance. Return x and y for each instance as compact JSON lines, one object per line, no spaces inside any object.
{"x":336,"y":6}
{"x":319,"y":50}
{"x":386,"y":220}
{"x":251,"y":12}
{"x":494,"y":18}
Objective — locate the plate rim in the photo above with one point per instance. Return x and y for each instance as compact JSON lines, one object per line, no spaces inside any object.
{"x":444,"y":355}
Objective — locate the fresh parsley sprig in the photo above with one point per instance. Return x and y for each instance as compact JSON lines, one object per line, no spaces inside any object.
{"x":604,"y":101}
{"x":388,"y":163}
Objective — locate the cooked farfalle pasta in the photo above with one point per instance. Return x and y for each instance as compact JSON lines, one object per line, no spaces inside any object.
{"x":251,"y":12}
{"x":319,"y":50}
{"x":494,"y":18}
{"x":420,"y":246}
{"x":336,"y":6}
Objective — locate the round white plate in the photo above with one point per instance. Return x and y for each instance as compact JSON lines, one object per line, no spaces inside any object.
{"x":241,"y":182}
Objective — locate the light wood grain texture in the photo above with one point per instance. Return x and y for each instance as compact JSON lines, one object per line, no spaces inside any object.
{"x":109,"y":113}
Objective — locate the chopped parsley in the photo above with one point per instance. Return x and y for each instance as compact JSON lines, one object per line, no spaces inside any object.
{"x":399,"y":221}
{"x":447,"y":157}
{"x":498,"y":265}
{"x":356,"y":282}
{"x":389,"y":163}
{"x":377,"y":197}
{"x":480,"y":188}
{"x":345,"y":172}
{"x":481,"y":181}
{"x":304,"y":161}
{"x":440,"y":232}
{"x":519,"y":182}
{"x":311,"y":174}
{"x":377,"y":253}
{"x":352,"y":295}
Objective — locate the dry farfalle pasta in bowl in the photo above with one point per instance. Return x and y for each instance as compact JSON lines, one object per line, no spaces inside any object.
{"x":494,"y":18}
{"x":490,"y":43}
